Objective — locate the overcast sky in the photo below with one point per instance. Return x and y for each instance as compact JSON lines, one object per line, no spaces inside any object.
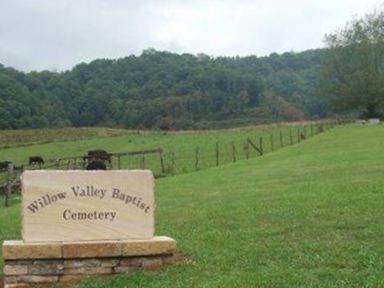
{"x":58,"y":34}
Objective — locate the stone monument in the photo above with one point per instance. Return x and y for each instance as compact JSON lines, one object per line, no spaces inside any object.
{"x":77,"y":224}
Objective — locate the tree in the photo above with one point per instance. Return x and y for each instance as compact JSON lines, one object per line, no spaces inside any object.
{"x":142,"y":91}
{"x":353,"y":70}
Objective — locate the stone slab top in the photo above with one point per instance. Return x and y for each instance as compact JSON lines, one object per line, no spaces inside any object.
{"x":19,"y":250}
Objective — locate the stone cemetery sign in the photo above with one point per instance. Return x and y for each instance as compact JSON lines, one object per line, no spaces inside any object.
{"x":87,"y":205}
{"x":77,"y":224}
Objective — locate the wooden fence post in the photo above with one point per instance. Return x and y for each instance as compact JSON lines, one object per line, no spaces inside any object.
{"x":233,"y":152}
{"x":290,"y":135}
{"x":9,"y":184}
{"x":298,"y":135}
{"x":321,"y":128}
{"x":305,"y":131}
{"x":281,"y":140}
{"x":311,"y":129}
{"x":197,"y":158}
{"x":118,"y":161}
{"x":142,"y":160}
{"x":261,"y":146}
{"x":217,"y":154}
{"x":162,"y":162}
{"x":272,"y":145}
{"x":246,"y":147}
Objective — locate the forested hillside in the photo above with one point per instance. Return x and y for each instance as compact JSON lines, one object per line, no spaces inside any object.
{"x":165,"y":90}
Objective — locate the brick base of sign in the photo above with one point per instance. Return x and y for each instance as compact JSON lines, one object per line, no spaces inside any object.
{"x":28,"y":264}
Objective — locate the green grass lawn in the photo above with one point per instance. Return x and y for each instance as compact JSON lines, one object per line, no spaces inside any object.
{"x":179,"y":147}
{"x":309,"y":215}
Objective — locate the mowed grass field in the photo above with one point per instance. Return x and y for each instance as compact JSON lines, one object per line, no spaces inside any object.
{"x":180,"y":148}
{"x":308,"y":215}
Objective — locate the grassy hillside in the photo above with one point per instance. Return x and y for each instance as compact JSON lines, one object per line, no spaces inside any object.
{"x":180,"y":147}
{"x":309,"y":215}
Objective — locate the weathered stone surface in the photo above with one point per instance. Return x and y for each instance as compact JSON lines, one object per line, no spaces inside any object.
{"x":48,"y":262}
{"x":46,"y":268}
{"x":88,"y":270}
{"x":73,"y":278}
{"x":132,"y":262}
{"x":152,"y":264}
{"x":110,"y":263}
{"x":87,"y":205}
{"x":79,"y":260}
{"x":19,"y":262}
{"x":15,"y":270}
{"x":30,"y":285}
{"x":20,"y":250}
{"x":125,"y":269}
{"x":79,"y":263}
{"x":154,"y":246}
{"x":9,"y":279}
{"x":91,"y":249}
{"x":168,"y":259}
{"x":17,"y":285}
{"x":38,"y":279}
{"x":67,"y":279}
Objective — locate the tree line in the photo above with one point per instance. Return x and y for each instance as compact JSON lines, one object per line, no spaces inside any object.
{"x":166,"y":91}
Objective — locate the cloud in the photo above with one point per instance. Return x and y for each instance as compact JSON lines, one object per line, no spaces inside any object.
{"x":45,"y":34}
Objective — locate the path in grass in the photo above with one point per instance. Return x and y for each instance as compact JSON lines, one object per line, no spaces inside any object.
{"x":306,"y":216}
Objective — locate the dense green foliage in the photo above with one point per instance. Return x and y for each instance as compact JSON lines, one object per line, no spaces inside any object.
{"x":353,"y":70}
{"x":304,"y":216}
{"x":164,"y":90}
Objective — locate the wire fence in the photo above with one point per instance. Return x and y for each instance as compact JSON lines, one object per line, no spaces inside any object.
{"x":182,"y":160}
{"x":219,"y":153}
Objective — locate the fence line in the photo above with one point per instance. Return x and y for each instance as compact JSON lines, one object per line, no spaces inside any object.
{"x":167,"y":163}
{"x":251,"y":147}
